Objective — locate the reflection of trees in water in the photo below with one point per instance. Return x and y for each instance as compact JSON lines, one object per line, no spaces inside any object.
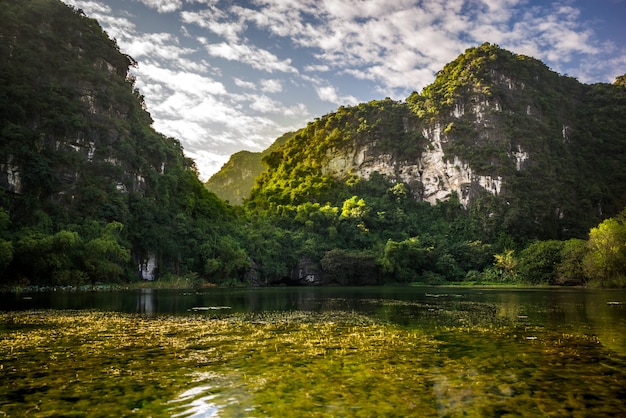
{"x":145,"y":301}
{"x":606,"y":312}
{"x":592,"y":312}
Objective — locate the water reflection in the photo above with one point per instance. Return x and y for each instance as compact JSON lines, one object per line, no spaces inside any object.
{"x":145,"y":301}
{"x":601,"y":313}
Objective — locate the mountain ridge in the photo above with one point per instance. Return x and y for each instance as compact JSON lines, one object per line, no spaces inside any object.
{"x":490,"y":123}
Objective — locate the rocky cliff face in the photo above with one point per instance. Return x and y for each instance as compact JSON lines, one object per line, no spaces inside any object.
{"x":70,"y":119}
{"x":530,"y":146}
{"x":430,"y":177}
{"x":77,"y":152}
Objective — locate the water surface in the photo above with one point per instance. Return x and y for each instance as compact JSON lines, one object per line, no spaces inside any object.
{"x":386,"y":351}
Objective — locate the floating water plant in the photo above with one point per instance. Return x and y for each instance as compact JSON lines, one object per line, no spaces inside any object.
{"x":338,"y":363}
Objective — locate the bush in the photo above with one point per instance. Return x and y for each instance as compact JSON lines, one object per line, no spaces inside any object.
{"x":571,"y":272}
{"x":538,"y":263}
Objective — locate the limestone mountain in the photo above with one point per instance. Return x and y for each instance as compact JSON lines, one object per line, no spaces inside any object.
{"x":530,"y":152}
{"x":77,"y":153}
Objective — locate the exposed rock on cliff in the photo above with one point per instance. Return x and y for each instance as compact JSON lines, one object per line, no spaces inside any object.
{"x":532,"y":148}
{"x":77,"y":153}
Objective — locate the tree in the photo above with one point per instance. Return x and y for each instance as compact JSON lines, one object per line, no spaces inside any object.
{"x":104,"y":255}
{"x":224,"y":259}
{"x":404,"y":260}
{"x":354,"y":208}
{"x":571,"y":270}
{"x":539,"y":261}
{"x":505,"y":265}
{"x":606,"y":260}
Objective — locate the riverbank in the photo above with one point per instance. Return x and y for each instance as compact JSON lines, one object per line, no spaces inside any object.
{"x":186,"y":283}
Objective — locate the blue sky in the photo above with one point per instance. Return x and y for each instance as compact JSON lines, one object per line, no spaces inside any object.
{"x":227,"y":75}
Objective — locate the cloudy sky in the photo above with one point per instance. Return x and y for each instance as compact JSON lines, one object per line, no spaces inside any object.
{"x":226,"y":75}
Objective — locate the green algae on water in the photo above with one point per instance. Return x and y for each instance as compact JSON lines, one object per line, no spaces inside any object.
{"x":77,"y":363}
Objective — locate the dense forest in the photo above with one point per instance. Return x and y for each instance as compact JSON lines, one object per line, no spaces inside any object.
{"x":91,"y":193}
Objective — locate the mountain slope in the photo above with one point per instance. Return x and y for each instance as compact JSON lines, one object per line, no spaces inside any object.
{"x":531,"y":153}
{"x":80,"y":165}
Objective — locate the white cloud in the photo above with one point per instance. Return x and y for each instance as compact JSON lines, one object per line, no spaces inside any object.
{"x":180,"y":81}
{"x":298,"y":110}
{"x":271,"y":86}
{"x":257,"y":58}
{"x":264,"y":104}
{"x":611,"y":68}
{"x":153,"y":46}
{"x":385,"y":41}
{"x":89,"y":6}
{"x":207,"y":162}
{"x":319,"y":68}
{"x":216,"y":21}
{"x":245,"y":84}
{"x":329,"y":94}
{"x":163,"y":6}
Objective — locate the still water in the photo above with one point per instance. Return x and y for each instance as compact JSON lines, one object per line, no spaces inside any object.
{"x":380,"y":351}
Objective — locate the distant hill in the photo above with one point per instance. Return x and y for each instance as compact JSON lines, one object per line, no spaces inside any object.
{"x":235,"y":179}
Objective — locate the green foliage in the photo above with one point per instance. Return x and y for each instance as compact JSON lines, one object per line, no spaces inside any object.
{"x":405,"y":260}
{"x":504,"y":268}
{"x":571,"y":270}
{"x":274,"y":250}
{"x":104,"y":255}
{"x":538,"y":263}
{"x":605,"y":262}
{"x":224,"y":260}
{"x":351,"y":267}
{"x":354,"y":208}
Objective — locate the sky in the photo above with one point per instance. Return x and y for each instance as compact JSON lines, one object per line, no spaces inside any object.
{"x":223,"y":76}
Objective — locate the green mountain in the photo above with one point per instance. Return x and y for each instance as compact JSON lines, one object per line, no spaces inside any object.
{"x":90,"y":192}
{"x":236,"y":178}
{"x":531,"y":153}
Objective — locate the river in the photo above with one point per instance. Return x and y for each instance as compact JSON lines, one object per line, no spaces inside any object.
{"x":303,"y":351}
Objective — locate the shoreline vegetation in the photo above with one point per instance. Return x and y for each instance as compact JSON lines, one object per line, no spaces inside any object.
{"x":181,"y":283}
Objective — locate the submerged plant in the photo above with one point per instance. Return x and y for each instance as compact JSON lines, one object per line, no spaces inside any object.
{"x":297,"y":363}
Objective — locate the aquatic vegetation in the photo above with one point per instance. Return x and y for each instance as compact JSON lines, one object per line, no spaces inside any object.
{"x":333,"y":363}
